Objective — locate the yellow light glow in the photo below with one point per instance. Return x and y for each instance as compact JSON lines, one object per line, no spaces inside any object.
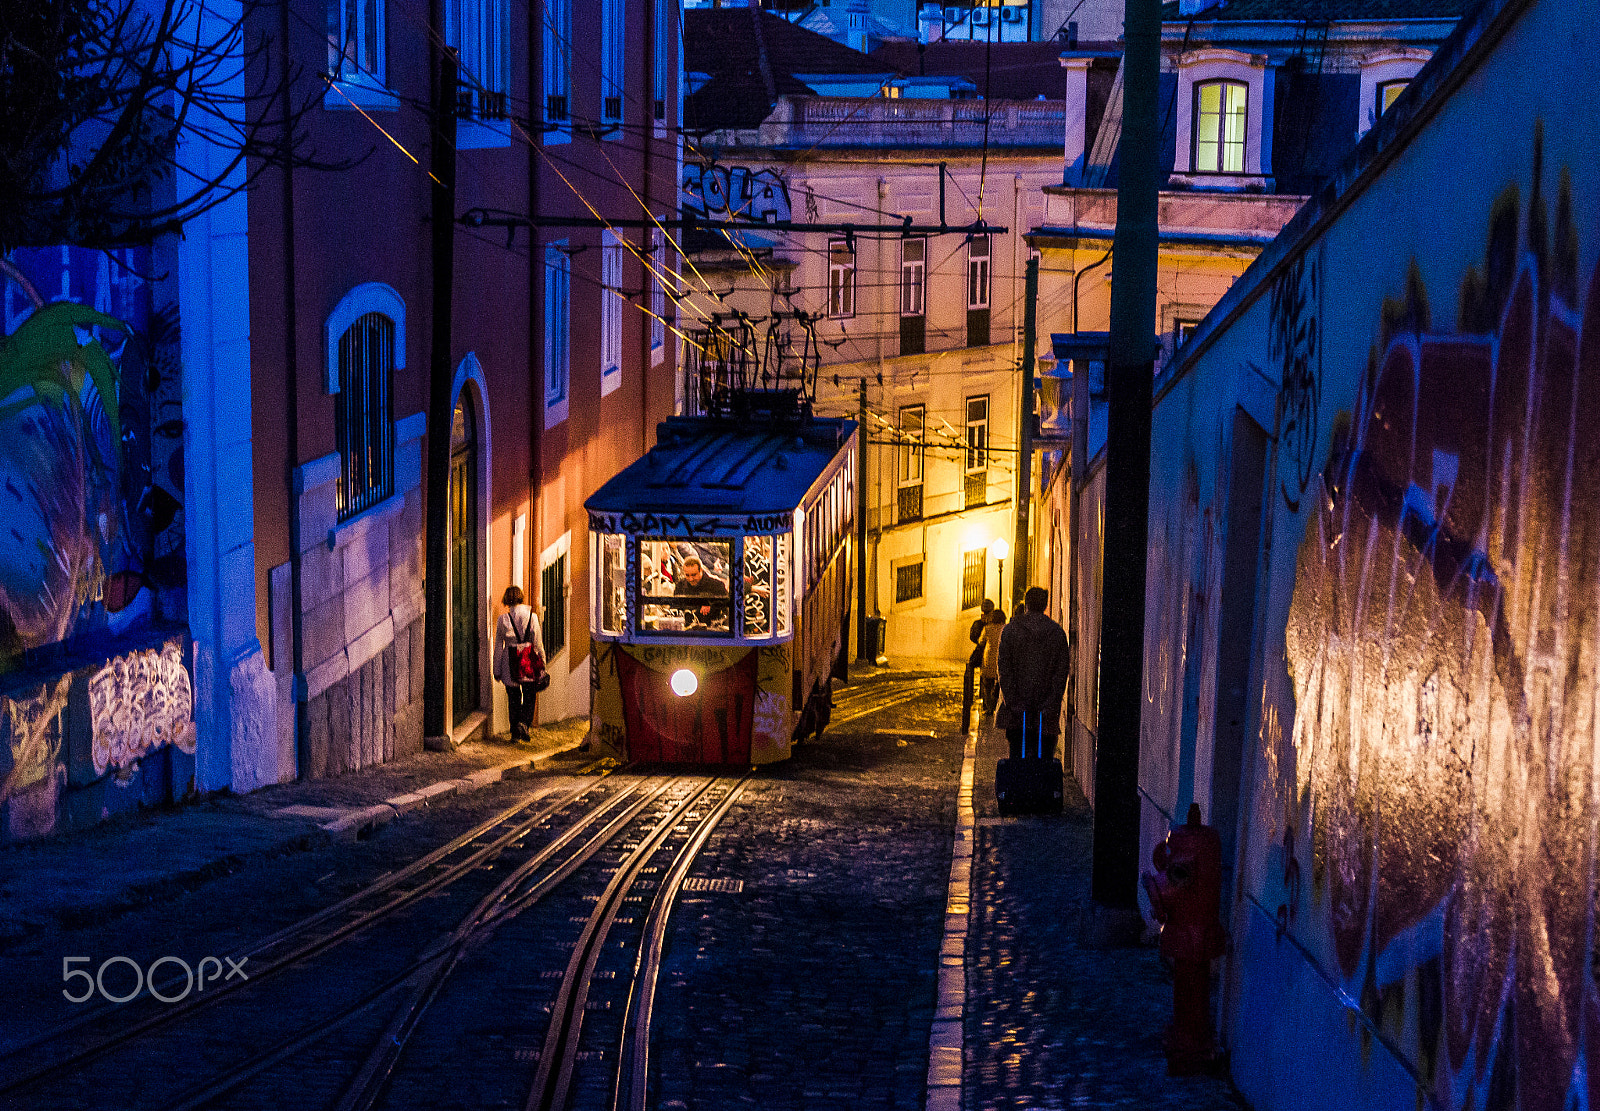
{"x":684,"y":682}
{"x":999,"y":548}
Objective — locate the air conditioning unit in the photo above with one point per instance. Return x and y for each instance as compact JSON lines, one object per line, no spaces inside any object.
{"x":980,"y":17}
{"x":954,"y":15}
{"x":1013,"y":14}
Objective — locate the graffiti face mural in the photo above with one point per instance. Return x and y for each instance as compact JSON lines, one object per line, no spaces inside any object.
{"x":1442,"y":646}
{"x":90,"y":457}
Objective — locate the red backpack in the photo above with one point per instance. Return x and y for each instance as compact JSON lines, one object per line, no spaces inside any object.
{"x":525,"y":661}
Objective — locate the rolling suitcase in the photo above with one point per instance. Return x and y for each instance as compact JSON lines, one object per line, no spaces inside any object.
{"x":1032,"y":784}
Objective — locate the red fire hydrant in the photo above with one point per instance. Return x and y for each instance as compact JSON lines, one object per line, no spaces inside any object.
{"x":1186,"y":894}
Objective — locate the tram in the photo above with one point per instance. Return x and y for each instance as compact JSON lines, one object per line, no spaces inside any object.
{"x":722,"y":571}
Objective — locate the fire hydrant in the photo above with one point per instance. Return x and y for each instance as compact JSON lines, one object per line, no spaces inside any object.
{"x":1186,"y":894}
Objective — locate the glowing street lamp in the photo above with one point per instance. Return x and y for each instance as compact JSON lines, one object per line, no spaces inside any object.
{"x":1000,"y":549}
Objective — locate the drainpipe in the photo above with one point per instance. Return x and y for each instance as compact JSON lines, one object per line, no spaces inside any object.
{"x":291,"y":362}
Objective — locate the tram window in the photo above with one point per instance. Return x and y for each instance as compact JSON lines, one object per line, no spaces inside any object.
{"x":758,"y":587}
{"x":612,"y":584}
{"x":780,"y":584}
{"x":683,"y":587}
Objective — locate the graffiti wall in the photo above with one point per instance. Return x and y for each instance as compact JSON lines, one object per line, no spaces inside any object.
{"x":1418,"y":834}
{"x":91,"y":546}
{"x":91,"y":457}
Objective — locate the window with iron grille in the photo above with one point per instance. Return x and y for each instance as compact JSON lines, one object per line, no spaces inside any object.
{"x":841,"y":279}
{"x":364,"y":414}
{"x":478,"y":31}
{"x":553,"y":597}
{"x":973,"y":566}
{"x":908,"y":582}
{"x":613,"y":60}
{"x":1219,"y":126}
{"x":557,"y":65}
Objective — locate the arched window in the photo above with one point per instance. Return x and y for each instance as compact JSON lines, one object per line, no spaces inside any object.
{"x":1219,"y":126}
{"x":364,"y":413}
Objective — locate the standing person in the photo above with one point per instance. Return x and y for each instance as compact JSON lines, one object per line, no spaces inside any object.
{"x":1034,"y":664}
{"x":974,"y":663}
{"x":517,"y":625}
{"x":989,"y":642}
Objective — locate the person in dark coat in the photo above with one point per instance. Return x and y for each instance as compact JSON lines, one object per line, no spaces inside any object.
{"x":1035,"y":662}
{"x":974,"y":663}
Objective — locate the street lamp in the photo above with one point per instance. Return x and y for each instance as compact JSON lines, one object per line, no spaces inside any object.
{"x":1000,"y":549}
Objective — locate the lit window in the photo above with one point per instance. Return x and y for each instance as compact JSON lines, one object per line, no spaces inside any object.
{"x":477,"y":29}
{"x":1388,"y":93}
{"x":758,"y":594}
{"x":611,"y":583}
{"x":557,"y":323}
{"x":364,"y":413}
{"x":683,"y":587}
{"x":841,"y":279}
{"x":613,"y":60}
{"x":355,"y":41}
{"x":610,"y":311}
{"x":557,"y":43}
{"x":1219,"y":126}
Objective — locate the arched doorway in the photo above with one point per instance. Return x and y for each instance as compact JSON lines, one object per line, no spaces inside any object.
{"x":464,"y":691}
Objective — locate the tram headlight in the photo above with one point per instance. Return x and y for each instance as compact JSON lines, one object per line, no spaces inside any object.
{"x":684,"y":682}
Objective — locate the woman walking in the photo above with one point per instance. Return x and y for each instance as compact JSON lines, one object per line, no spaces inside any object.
{"x":989,"y":642}
{"x":517,"y":625}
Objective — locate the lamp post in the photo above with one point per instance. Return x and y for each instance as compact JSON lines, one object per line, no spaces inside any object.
{"x":1000,"y":549}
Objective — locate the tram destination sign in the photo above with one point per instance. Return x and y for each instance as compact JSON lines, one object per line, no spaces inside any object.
{"x":690,"y":524}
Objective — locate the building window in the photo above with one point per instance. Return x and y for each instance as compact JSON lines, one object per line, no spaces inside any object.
{"x":478,"y":31}
{"x":557,"y":44}
{"x":978,"y":272}
{"x":913,"y":296}
{"x":973,"y":566}
{"x":661,"y":60}
{"x":1388,"y":93}
{"x":610,"y":311}
{"x":908,"y":582}
{"x":841,"y":278}
{"x":913,"y":420}
{"x":1219,"y":126}
{"x":355,"y":42}
{"x":557,"y":324}
{"x":613,"y":60}
{"x":553,"y":601}
{"x":364,"y":414}
{"x":976,"y":477}
{"x":658,"y":296}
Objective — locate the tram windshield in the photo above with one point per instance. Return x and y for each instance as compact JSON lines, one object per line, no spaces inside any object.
{"x":683,"y":587}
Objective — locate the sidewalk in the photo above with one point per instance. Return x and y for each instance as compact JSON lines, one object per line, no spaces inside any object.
{"x":85,"y":877}
{"x":1048,"y":1022}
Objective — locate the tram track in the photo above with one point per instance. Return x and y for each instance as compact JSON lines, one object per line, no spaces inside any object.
{"x":76,"y":1046}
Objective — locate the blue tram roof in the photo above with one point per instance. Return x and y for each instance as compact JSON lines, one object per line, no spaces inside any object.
{"x":713,"y":465}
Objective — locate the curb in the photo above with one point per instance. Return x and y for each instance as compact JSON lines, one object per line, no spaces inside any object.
{"x":947,"y":1037}
{"x":360,"y":824}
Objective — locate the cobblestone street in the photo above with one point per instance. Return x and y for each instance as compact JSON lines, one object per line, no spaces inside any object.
{"x":801,"y":967}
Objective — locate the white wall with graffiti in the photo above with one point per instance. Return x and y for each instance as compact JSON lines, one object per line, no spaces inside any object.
{"x":94,"y":687}
{"x":1394,"y":419}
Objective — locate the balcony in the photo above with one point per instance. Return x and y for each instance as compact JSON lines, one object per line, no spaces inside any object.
{"x":815,"y":121}
{"x":975,"y":489}
{"x":909,"y":504}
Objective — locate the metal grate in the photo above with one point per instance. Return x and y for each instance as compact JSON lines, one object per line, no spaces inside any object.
{"x":973,"y":565}
{"x":364,"y":414}
{"x":553,"y":593}
{"x":726,"y":887}
{"x":908,"y":582}
{"x":909,"y":503}
{"x":555,"y":108}
{"x":613,"y":108}
{"x":975,"y":489}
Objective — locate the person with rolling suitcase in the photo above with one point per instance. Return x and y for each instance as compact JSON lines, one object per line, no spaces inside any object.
{"x":1035,"y":661}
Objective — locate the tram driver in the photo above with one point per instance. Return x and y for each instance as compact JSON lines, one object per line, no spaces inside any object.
{"x":693,"y":581}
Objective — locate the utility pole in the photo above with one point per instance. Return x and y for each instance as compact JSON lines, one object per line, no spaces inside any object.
{"x":864,"y":653}
{"x":1023,"y":568}
{"x":436,"y":556}
{"x":1114,"y":878}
